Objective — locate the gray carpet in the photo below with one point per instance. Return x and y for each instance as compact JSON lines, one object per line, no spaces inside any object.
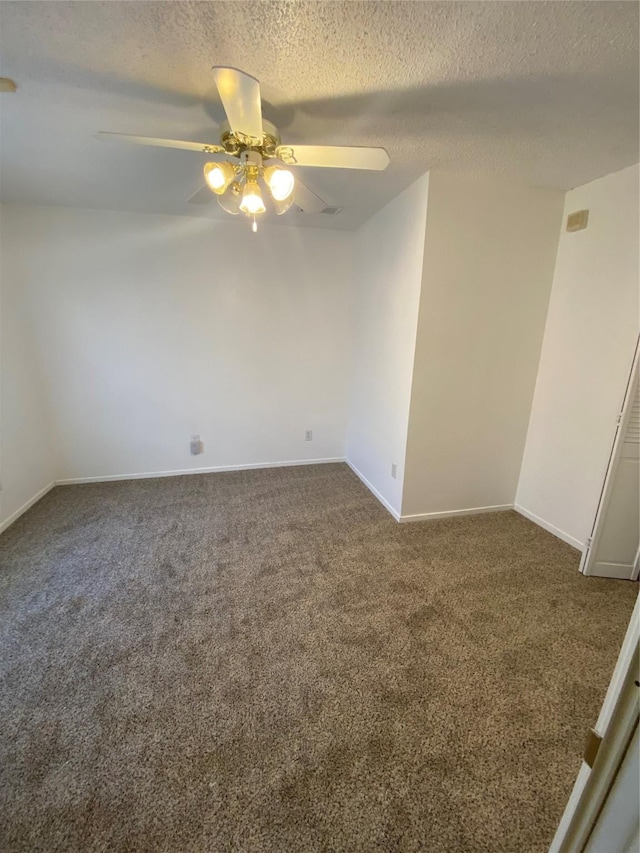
{"x":266,"y":661}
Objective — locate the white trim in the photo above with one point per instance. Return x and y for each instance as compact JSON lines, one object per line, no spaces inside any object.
{"x":623,"y":664}
{"x":623,"y":671}
{"x":571,"y":807}
{"x":179,"y":472}
{"x":385,"y":503}
{"x":452,"y":513}
{"x":616,"y":571}
{"x":25,"y":506}
{"x":551,"y":528}
{"x":636,"y":566}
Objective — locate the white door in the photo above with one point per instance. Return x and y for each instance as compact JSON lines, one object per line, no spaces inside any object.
{"x":614,"y":548}
{"x":617,"y":824}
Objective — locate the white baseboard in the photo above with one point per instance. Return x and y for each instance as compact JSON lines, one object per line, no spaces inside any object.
{"x":385,"y":503}
{"x":550,"y":528}
{"x":403,"y":519}
{"x":618,"y":571}
{"x":146,"y":475}
{"x":452,"y":513}
{"x":25,"y":506}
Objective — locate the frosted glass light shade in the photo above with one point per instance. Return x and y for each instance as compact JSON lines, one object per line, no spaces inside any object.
{"x":218,"y":176}
{"x":252,"y":199}
{"x":280,"y":181}
{"x":230,"y":200}
{"x":282,"y":206}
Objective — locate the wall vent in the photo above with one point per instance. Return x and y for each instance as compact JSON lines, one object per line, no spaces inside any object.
{"x":578,"y":220}
{"x":327,"y":211}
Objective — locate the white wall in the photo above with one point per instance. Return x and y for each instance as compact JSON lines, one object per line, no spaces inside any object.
{"x":488,"y":266}
{"x":387,"y":274}
{"x":586,"y":357}
{"x":26,"y":451}
{"x":154,"y":328}
{"x":123,"y":334}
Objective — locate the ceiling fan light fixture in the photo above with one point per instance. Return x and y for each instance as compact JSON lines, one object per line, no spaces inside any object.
{"x":219,"y":175}
{"x":280,"y":182}
{"x":230,"y":200}
{"x":250,"y":141}
{"x":252,"y":202}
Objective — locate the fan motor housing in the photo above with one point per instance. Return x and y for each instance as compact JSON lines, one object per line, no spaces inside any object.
{"x":234,"y":144}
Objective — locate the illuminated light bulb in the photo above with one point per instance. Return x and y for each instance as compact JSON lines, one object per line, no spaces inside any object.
{"x":230,"y":200}
{"x":252,"y":199}
{"x":280,"y":181}
{"x":219,"y":175}
{"x":254,"y":227}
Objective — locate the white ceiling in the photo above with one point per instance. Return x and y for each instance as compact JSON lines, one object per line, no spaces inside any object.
{"x":542,"y":92}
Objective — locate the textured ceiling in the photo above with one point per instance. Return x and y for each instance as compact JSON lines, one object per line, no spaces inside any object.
{"x":542,"y":92}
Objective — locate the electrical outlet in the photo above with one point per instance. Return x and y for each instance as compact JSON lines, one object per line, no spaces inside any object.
{"x":394,"y":470}
{"x":308,"y":435}
{"x":197,"y":446}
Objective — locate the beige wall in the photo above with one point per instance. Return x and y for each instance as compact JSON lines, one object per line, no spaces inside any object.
{"x":387,"y":279}
{"x":154,"y":328}
{"x":488,"y":266}
{"x":27,"y":459}
{"x":586,"y":358}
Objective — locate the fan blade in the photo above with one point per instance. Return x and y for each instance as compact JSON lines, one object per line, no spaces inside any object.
{"x":240,"y":96}
{"x":307,"y":200}
{"x":201,"y":196}
{"x":334,"y":156}
{"x":160,"y":143}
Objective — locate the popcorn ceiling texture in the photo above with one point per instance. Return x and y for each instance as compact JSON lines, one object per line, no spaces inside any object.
{"x":265,"y":662}
{"x":545,"y":93}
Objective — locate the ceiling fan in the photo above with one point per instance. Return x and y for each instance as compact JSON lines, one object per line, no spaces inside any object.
{"x":255,"y":146}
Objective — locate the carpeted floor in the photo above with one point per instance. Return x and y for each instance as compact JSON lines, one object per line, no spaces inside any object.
{"x":266,"y":661}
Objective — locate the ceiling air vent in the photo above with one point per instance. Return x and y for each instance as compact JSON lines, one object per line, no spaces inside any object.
{"x":331,"y":211}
